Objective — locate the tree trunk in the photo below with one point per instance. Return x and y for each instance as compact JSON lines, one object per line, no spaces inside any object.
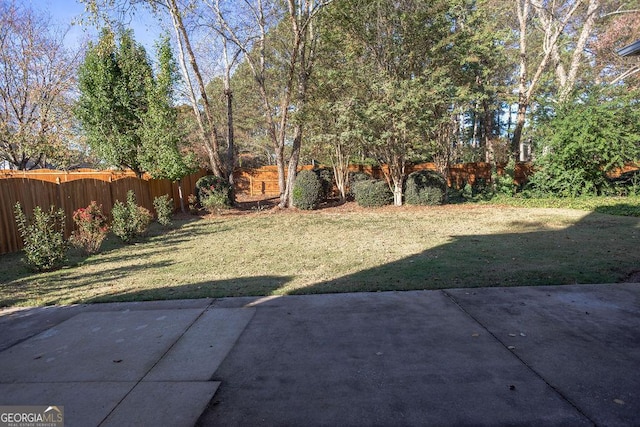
{"x":517,"y":131}
{"x":293,"y":167}
{"x":180,"y":196}
{"x":523,"y":16}
{"x":394,"y":175}
{"x":578,"y":52}
{"x":397,"y":192}
{"x":210,"y":136}
{"x":340,"y":165}
{"x":230,"y":161}
{"x":487,"y":132}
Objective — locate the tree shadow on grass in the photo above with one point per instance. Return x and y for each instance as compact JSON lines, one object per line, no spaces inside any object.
{"x":598,"y":249}
{"x":66,"y":283}
{"x":15,"y":273}
{"x":242,"y":286}
{"x":622,"y":209}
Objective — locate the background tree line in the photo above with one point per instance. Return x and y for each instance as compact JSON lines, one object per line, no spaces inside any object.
{"x":288,"y":81}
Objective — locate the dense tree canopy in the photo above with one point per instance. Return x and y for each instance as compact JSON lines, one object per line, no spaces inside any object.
{"x":387,"y":81}
{"x":113,"y":98}
{"x":126,"y":111}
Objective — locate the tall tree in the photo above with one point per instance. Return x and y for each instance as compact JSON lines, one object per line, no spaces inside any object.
{"x":126,"y":111}
{"x":161,"y":156}
{"x":565,"y":28}
{"x":193,"y":77}
{"x":37,"y":78}
{"x":114,"y":82}
{"x":299,"y":24}
{"x":413,"y":60}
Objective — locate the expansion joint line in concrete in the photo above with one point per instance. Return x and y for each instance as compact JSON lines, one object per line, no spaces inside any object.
{"x":156,"y":363}
{"x":529,"y":367}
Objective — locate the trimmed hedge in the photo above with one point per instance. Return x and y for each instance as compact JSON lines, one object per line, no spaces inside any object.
{"x":325,"y":175}
{"x":307,"y":190}
{"x":355,"y":178}
{"x":425,"y":188}
{"x":372,"y":193}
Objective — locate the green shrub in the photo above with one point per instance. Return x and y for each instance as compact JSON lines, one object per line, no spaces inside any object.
{"x":213,"y":193}
{"x":325,"y":175}
{"x":307,"y":190}
{"x":587,"y":139}
{"x":91,"y":228}
{"x":425,"y":188}
{"x":505,"y":184}
{"x":129,"y":219}
{"x":43,"y":237}
{"x":372,"y":193}
{"x":355,"y":178}
{"x":627,"y":184}
{"x":164,"y":210}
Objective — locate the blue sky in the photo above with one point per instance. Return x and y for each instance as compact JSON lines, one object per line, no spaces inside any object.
{"x":64,"y":12}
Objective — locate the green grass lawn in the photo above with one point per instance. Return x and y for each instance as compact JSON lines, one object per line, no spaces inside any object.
{"x":342,"y":249}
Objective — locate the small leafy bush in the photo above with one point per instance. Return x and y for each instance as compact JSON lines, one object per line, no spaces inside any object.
{"x":164,"y":210}
{"x":213,"y":193}
{"x":372,"y":193}
{"x":307,"y":190}
{"x":425,"y":188}
{"x":43,"y":237}
{"x":504,"y":183}
{"x":129,"y":219}
{"x":193,"y":204}
{"x":355,"y":178}
{"x":91,"y":228}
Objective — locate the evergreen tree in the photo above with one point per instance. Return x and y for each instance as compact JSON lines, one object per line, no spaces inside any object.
{"x":126,"y":112}
{"x":113,"y":81}
{"x":160,"y":136}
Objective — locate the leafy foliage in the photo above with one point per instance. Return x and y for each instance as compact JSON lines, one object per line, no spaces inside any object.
{"x":91,"y":228}
{"x":307,"y":190}
{"x":43,"y":237}
{"x":627,"y":184}
{"x":354,"y":178}
{"x":213,"y":193}
{"x":325,"y":175}
{"x":113,"y":98}
{"x":193,"y":204}
{"x":160,"y":136}
{"x":504,"y":183}
{"x":372,"y":193}
{"x":129,"y":219}
{"x":164,"y":210}
{"x":425,"y":188}
{"x":588,"y":139}
{"x":126,"y":112}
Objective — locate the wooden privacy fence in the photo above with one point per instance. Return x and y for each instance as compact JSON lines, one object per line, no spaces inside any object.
{"x":73,"y":190}
{"x":77,"y":189}
{"x":264,"y":181}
